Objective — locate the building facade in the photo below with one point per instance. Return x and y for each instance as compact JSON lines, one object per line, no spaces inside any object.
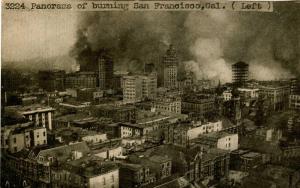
{"x":170,"y":66}
{"x":81,"y":80}
{"x":240,"y":71}
{"x":105,"y":72}
{"x":294,"y":102}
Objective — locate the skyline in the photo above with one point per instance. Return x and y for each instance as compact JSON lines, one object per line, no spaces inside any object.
{"x":269,"y":42}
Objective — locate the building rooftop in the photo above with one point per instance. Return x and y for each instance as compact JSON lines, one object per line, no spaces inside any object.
{"x":240,"y":64}
{"x":63,"y":153}
{"x":30,"y":108}
{"x":251,"y":155}
{"x":90,"y":166}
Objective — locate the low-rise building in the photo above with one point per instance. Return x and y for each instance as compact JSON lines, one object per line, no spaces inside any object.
{"x":18,"y":137}
{"x":145,"y":125}
{"x":220,"y":140}
{"x":86,"y":172}
{"x":135,"y":175}
{"x":109,"y":152}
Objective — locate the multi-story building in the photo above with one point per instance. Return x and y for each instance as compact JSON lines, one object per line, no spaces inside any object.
{"x":294,"y":102}
{"x":200,"y":104}
{"x":132,"y":89}
{"x":295,"y":86}
{"x":81,"y":80}
{"x":180,"y":133}
{"x":20,"y":171}
{"x":170,"y":66}
{"x":227,"y":95}
{"x":167,"y":104}
{"x":139,"y":87}
{"x":220,"y":140}
{"x":144,"y":126}
{"x":126,"y":113}
{"x":89,"y":94}
{"x":105,"y":72}
{"x":135,"y":175}
{"x":86,"y":172}
{"x":278,"y":95}
{"x":240,"y":71}
{"x":149,"y":85}
{"x":17,"y":137}
{"x":40,"y":115}
{"x":52,"y":80}
{"x":161,"y":166}
{"x":248,"y":93}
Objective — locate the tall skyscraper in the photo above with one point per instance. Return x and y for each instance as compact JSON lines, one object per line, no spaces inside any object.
{"x":170,"y":64}
{"x":105,"y":72}
{"x":240,"y":71}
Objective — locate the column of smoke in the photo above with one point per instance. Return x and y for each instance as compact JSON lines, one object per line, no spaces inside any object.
{"x":208,"y":43}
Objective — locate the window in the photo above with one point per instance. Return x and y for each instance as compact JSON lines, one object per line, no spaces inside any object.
{"x":44,"y":133}
{"x":15,"y":140}
{"x":103,"y":180}
{"x":112,"y":178}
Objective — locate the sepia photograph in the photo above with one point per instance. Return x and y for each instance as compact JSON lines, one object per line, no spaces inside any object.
{"x":150,"y":94}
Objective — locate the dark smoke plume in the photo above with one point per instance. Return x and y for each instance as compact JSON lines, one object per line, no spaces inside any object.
{"x":207,"y":42}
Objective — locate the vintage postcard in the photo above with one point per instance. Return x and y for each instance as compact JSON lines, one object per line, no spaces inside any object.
{"x":150,"y":94}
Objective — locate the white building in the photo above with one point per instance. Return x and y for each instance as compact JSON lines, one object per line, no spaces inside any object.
{"x":200,"y":129}
{"x":228,"y":142}
{"x":227,"y":95}
{"x":40,"y":115}
{"x":93,"y":137}
{"x":16,"y":138}
{"x":110,"y":179}
{"x":109,"y":153}
{"x":138,"y":87}
{"x":167,"y":104}
{"x":249,"y":93}
{"x":220,"y":140}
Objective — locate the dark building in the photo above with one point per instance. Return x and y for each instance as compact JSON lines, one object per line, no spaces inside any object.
{"x":200,"y":104}
{"x":105,"y":72}
{"x":116,"y":113}
{"x":170,"y":64}
{"x":240,"y":72}
{"x":81,"y":80}
{"x":52,"y":80}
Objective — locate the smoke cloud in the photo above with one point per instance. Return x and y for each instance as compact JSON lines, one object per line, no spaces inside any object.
{"x":208,"y":43}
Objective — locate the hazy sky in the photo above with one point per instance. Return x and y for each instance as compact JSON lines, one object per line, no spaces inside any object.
{"x":27,"y":35}
{"x":208,"y":42}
